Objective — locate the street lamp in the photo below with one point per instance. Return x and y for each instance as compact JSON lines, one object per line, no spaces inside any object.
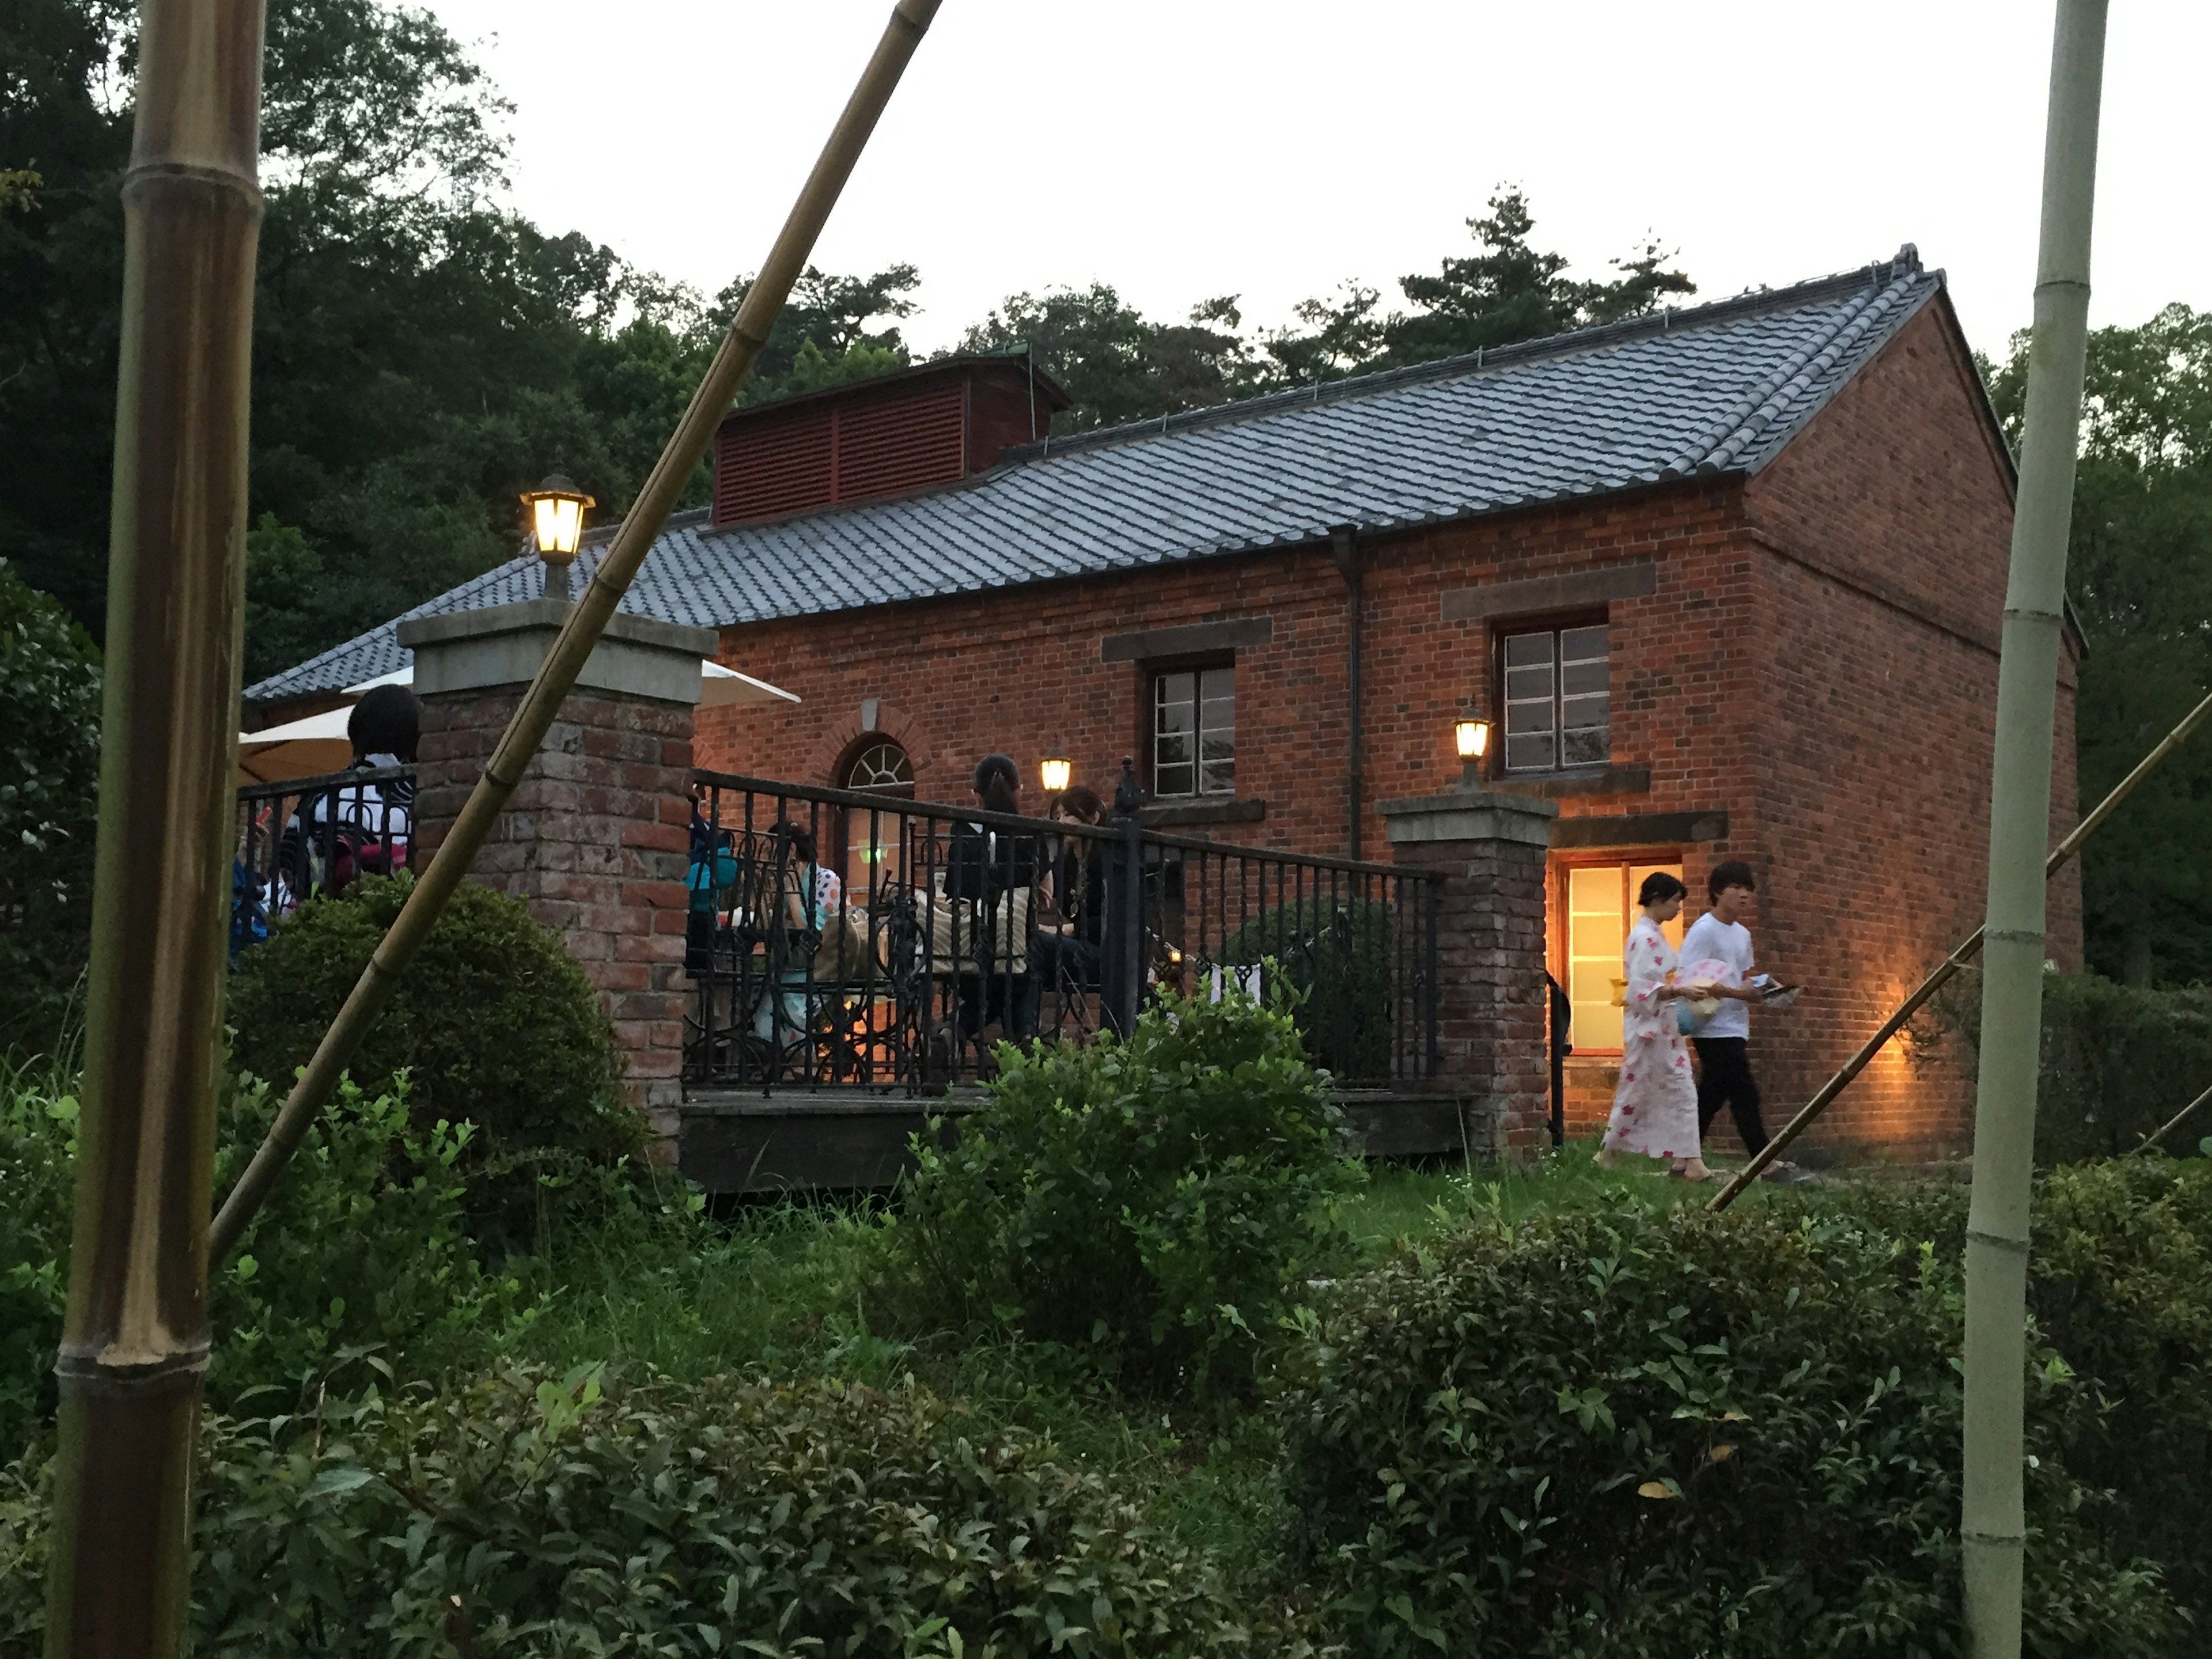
{"x":1471,"y":737}
{"x":1056,"y":770}
{"x":556,"y":508}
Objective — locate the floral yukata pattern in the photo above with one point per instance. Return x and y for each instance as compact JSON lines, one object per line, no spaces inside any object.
{"x":1655,"y":1108}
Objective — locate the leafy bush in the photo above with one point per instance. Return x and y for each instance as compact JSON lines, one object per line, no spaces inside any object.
{"x":49,"y":808}
{"x":360,"y":1253}
{"x":2119,"y":1060}
{"x":528,"y":1515}
{"x":1336,"y":953}
{"x":1157,"y":1201}
{"x":1675,"y":1436}
{"x":494,"y":1022}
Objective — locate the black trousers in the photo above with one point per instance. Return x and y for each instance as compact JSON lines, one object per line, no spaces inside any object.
{"x":1724,"y":1078}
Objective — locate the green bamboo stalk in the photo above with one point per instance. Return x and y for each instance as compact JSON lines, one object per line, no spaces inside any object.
{"x":541,"y":702}
{"x":1992,"y":1522}
{"x":2167,"y":1127}
{"x":135,"y":1342}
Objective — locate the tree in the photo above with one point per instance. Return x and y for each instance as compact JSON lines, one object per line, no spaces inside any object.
{"x":1508,"y":292}
{"x":1115,"y":364}
{"x":2141,"y":565}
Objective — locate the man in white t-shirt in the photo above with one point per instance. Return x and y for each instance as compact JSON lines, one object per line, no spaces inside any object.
{"x":1723,"y":1041}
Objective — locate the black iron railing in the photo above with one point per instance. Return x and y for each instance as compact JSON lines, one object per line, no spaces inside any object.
{"x":848,"y":939}
{"x":308,"y":836}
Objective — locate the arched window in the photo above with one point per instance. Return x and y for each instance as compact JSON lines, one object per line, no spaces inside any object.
{"x":881,"y":766}
{"x":870,"y":844}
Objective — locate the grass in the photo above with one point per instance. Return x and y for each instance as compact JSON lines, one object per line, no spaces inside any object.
{"x":783,"y":1288}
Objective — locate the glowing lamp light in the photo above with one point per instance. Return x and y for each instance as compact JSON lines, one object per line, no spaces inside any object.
{"x":1471,"y":737}
{"x":1056,"y":771}
{"x":557,"y":519}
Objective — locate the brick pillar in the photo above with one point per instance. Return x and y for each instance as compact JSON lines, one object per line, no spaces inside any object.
{"x":1486,"y":851}
{"x":595,"y":837}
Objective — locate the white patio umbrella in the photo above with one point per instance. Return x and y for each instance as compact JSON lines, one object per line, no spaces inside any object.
{"x":310,"y":747}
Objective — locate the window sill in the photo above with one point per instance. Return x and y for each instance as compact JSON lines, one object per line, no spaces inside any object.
{"x":1585,"y":781}
{"x":1169,"y":814}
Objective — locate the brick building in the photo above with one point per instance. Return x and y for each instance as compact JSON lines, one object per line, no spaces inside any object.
{"x":1728,"y":580}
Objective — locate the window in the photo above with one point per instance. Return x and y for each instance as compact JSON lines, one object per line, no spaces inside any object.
{"x":869,"y":844}
{"x":1195,"y":732}
{"x":1601,"y":908}
{"x":1556,"y":703}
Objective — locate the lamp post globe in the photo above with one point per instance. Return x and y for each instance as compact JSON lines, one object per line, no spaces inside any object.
{"x":1056,"y":771}
{"x":556,"y":525}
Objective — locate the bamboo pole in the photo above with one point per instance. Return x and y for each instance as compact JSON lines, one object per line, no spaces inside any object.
{"x":135,"y":1342}
{"x":2170,"y":1125}
{"x":1993,"y":1521}
{"x":1959,"y":959}
{"x":541,"y":704}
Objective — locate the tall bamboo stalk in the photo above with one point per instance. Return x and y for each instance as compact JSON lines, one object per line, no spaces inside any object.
{"x":135,"y":1343}
{"x":541,"y":704}
{"x":1992,"y":1523}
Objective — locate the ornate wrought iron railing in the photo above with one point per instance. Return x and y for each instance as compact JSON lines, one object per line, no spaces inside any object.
{"x":842,"y":939}
{"x":308,"y":836}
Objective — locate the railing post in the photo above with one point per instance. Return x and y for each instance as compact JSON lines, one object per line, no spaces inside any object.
{"x":1485,"y":854}
{"x":1121,"y":957}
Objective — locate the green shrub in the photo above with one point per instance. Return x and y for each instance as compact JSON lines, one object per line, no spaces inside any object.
{"x":494,"y":1021}
{"x":1156,"y":1202}
{"x":1336,"y":953}
{"x":49,"y":804}
{"x":532,"y":1515}
{"x":360,"y":1252}
{"x":1671,"y":1437}
{"x":2119,"y":1060}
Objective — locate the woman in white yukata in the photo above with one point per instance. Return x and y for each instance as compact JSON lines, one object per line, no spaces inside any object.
{"x":1655,"y":1108}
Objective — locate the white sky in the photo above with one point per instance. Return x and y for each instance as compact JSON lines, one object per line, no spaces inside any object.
{"x":1275,"y":147}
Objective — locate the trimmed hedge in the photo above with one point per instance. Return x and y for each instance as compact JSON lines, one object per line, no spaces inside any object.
{"x":1701,"y":1435}
{"x":1336,"y":951}
{"x":494,"y":1022}
{"x":534,"y":1514}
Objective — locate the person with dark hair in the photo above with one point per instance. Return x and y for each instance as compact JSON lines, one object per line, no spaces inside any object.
{"x":1655,"y":1105}
{"x":360,"y":829}
{"x":996,"y":871}
{"x":1064,"y":952}
{"x":1717,"y":947}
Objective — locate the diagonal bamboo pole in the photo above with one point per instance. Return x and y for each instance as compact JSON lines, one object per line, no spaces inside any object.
{"x":1992,"y":1517}
{"x":1953,"y":963}
{"x":541,"y":704}
{"x":2170,"y":1125}
{"x":135,"y":1342}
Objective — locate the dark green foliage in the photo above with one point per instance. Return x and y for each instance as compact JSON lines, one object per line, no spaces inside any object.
{"x":1337,"y":953}
{"x":2118,"y":1061}
{"x":1116,"y":364}
{"x":494,"y":1022}
{"x":2121,"y":1287}
{"x":1675,"y":1436}
{"x":1158,"y":1202}
{"x":1476,"y":1441}
{"x":361,"y":1253}
{"x":2139,"y":569}
{"x":49,"y":810}
{"x":529,"y":1515}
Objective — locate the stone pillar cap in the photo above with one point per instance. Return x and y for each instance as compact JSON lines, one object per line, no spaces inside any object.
{"x":504,"y":645}
{"x":1469,"y":815}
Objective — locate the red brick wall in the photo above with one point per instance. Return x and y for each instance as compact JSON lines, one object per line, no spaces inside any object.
{"x":1887,"y":528}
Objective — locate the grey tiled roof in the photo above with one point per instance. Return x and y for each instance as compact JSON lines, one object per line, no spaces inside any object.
{"x":1716,"y":389}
